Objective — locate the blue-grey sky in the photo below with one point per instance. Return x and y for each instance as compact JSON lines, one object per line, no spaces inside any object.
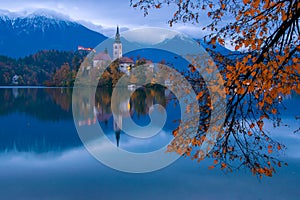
{"x":106,"y":13}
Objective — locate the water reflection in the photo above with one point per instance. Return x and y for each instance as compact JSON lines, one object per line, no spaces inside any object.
{"x":137,"y":108}
{"x":40,"y":119}
{"x":41,"y":156}
{"x":50,"y":104}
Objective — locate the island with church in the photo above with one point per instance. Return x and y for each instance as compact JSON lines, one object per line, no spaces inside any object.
{"x":114,"y":66}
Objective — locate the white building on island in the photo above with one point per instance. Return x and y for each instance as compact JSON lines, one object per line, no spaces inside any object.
{"x":102,"y":58}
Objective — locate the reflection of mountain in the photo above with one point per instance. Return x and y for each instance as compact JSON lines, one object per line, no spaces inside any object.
{"x":36,"y":120}
{"x":23,"y":133}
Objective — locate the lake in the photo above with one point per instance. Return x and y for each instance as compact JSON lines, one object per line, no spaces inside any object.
{"x":42,"y":156}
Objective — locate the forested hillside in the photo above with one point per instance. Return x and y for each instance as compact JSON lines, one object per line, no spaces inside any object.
{"x":48,"y":67}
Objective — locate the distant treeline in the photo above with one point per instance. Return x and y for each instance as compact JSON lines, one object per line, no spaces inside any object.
{"x":59,"y":68}
{"x":56,"y":68}
{"x":47,"y":67}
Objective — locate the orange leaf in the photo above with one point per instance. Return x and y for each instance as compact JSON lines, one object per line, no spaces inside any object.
{"x":199,"y":95}
{"x":279,"y":147}
{"x":274,"y":111}
{"x":211,"y":167}
{"x":270,"y":151}
{"x":158,"y":6}
{"x":175,"y":132}
{"x":221,"y":41}
{"x":213,"y":40}
{"x":193,"y":68}
{"x":255,"y":3}
{"x":223,"y":166}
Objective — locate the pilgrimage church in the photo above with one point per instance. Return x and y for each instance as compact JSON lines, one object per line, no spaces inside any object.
{"x":124,"y":62}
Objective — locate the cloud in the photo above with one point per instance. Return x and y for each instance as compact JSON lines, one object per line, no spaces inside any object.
{"x":107,"y":31}
{"x":103,"y":16}
{"x":148,"y":35}
{"x":191,"y":30}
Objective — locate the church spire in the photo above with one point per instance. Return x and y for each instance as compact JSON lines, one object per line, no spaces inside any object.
{"x":117,"y":38}
{"x":117,"y":46}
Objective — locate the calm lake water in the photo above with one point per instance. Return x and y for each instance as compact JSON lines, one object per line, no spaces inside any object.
{"x":42,"y":156}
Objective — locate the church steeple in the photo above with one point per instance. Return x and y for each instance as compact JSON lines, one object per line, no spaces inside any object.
{"x":117,"y":38}
{"x":117,"y":46}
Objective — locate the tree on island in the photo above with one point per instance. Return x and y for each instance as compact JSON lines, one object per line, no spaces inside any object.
{"x":267,"y":34}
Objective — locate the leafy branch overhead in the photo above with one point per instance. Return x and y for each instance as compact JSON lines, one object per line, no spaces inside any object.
{"x":267,"y":33}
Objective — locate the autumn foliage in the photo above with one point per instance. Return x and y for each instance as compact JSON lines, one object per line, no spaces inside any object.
{"x":266,"y":33}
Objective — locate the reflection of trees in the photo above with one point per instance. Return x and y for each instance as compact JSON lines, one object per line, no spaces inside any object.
{"x":45,"y":104}
{"x":140,"y":101}
{"x":83,"y":106}
{"x":61,"y":96}
{"x":103,"y":99}
{"x":99,"y":108}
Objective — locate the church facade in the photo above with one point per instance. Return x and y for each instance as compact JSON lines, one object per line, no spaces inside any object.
{"x":102,"y":58}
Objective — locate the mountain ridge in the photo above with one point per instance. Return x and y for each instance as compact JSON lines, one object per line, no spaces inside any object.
{"x":24,"y":35}
{"x":27,"y":32}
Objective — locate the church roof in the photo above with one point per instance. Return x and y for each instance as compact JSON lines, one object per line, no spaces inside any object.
{"x":102,"y":56}
{"x":126,"y":60}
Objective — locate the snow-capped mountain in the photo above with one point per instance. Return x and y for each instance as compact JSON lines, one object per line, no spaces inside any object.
{"x":25,"y":33}
{"x":186,"y":43}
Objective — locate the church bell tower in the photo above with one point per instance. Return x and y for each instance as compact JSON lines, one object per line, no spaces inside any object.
{"x":117,"y":52}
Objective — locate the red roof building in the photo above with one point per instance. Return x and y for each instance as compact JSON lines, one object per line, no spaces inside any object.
{"x":102,"y":56}
{"x":126,"y":60}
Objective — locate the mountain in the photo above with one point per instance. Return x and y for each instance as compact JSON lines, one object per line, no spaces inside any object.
{"x":181,"y":44}
{"x":187,"y":42}
{"x":22,"y":34}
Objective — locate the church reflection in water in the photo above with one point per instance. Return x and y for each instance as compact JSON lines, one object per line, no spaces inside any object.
{"x":136,"y":107}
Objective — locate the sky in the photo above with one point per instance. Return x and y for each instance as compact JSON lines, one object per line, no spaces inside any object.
{"x":107,"y":14}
